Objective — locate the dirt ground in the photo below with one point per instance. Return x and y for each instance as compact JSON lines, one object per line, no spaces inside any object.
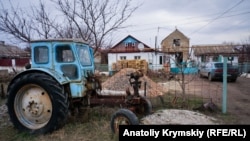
{"x":238,"y":99}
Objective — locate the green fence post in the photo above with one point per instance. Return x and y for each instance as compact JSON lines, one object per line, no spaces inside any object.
{"x":224,"y":94}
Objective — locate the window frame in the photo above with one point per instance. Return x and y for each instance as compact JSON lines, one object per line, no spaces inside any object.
{"x":64,"y":54}
{"x":123,"y":57}
{"x":41,"y":57}
{"x":137,"y":57}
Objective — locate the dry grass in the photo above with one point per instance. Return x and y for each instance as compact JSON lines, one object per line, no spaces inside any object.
{"x":89,"y":131}
{"x":95,"y":128}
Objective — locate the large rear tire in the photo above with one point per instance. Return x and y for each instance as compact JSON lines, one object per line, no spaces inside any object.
{"x":37,"y":103}
{"x":123,"y":117}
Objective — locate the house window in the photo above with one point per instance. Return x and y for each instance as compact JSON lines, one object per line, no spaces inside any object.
{"x":176,"y":42}
{"x":203,"y":58}
{"x":137,"y":57}
{"x":123,"y":57}
{"x":129,"y":44}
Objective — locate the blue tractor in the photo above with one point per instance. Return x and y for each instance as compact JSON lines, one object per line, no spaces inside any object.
{"x":61,"y":78}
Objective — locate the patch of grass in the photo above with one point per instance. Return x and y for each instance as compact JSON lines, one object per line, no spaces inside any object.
{"x":89,"y":131}
{"x":96,"y":128}
{"x":169,"y":100}
{"x":225,"y":118}
{"x":3,"y":101}
{"x":22,"y":136}
{"x":7,"y":133}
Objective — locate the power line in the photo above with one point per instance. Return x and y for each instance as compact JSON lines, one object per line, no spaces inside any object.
{"x":217,"y":17}
{"x":184,"y":23}
{"x":198,"y":17}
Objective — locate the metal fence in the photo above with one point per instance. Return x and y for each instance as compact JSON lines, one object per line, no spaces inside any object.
{"x":244,"y":67}
{"x":184,"y":82}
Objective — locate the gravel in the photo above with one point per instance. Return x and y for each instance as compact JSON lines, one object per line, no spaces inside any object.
{"x":120,"y":82}
{"x":176,"y":116}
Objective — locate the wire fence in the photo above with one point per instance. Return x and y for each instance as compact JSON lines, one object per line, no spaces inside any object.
{"x":176,"y":83}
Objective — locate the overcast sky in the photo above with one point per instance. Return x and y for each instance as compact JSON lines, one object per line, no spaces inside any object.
{"x":203,"y":21}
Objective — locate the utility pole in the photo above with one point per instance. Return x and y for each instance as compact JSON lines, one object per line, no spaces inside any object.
{"x":155,"y":43}
{"x":156,"y":38}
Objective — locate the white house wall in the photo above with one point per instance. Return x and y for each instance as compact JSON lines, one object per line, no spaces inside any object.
{"x":151,"y":57}
{"x":210,"y":59}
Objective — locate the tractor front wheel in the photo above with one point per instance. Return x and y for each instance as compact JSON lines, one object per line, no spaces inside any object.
{"x":37,"y":103}
{"x":123,"y":117}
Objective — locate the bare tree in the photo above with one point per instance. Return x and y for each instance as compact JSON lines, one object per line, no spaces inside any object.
{"x":184,"y":73}
{"x":27,"y":24}
{"x":100,"y":18}
{"x":14,"y":23}
{"x":90,"y":20}
{"x":45,"y":26}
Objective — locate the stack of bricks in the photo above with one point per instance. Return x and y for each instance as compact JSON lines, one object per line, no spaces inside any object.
{"x":136,"y":64}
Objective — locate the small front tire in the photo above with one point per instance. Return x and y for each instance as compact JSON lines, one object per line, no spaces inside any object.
{"x":123,"y":117}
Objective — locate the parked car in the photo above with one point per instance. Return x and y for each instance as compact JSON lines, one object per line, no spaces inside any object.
{"x":214,"y":70}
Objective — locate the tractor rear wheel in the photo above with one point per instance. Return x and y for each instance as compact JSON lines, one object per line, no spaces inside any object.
{"x":37,"y":103}
{"x":123,"y":117}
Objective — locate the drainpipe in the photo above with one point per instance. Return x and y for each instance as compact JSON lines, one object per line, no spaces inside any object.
{"x":224,"y":94}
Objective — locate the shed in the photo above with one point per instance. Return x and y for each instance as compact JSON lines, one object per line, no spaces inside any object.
{"x":10,"y":51}
{"x":214,"y":52}
{"x":211,"y":50}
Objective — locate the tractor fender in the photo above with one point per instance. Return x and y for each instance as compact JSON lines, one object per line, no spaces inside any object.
{"x":60,"y":78}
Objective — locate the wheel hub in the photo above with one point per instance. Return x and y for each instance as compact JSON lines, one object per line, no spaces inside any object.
{"x":33,"y":106}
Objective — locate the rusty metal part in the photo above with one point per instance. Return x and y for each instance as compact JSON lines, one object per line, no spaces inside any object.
{"x":109,"y":100}
{"x":93,"y":82}
{"x":134,"y":81}
{"x":132,"y":101}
